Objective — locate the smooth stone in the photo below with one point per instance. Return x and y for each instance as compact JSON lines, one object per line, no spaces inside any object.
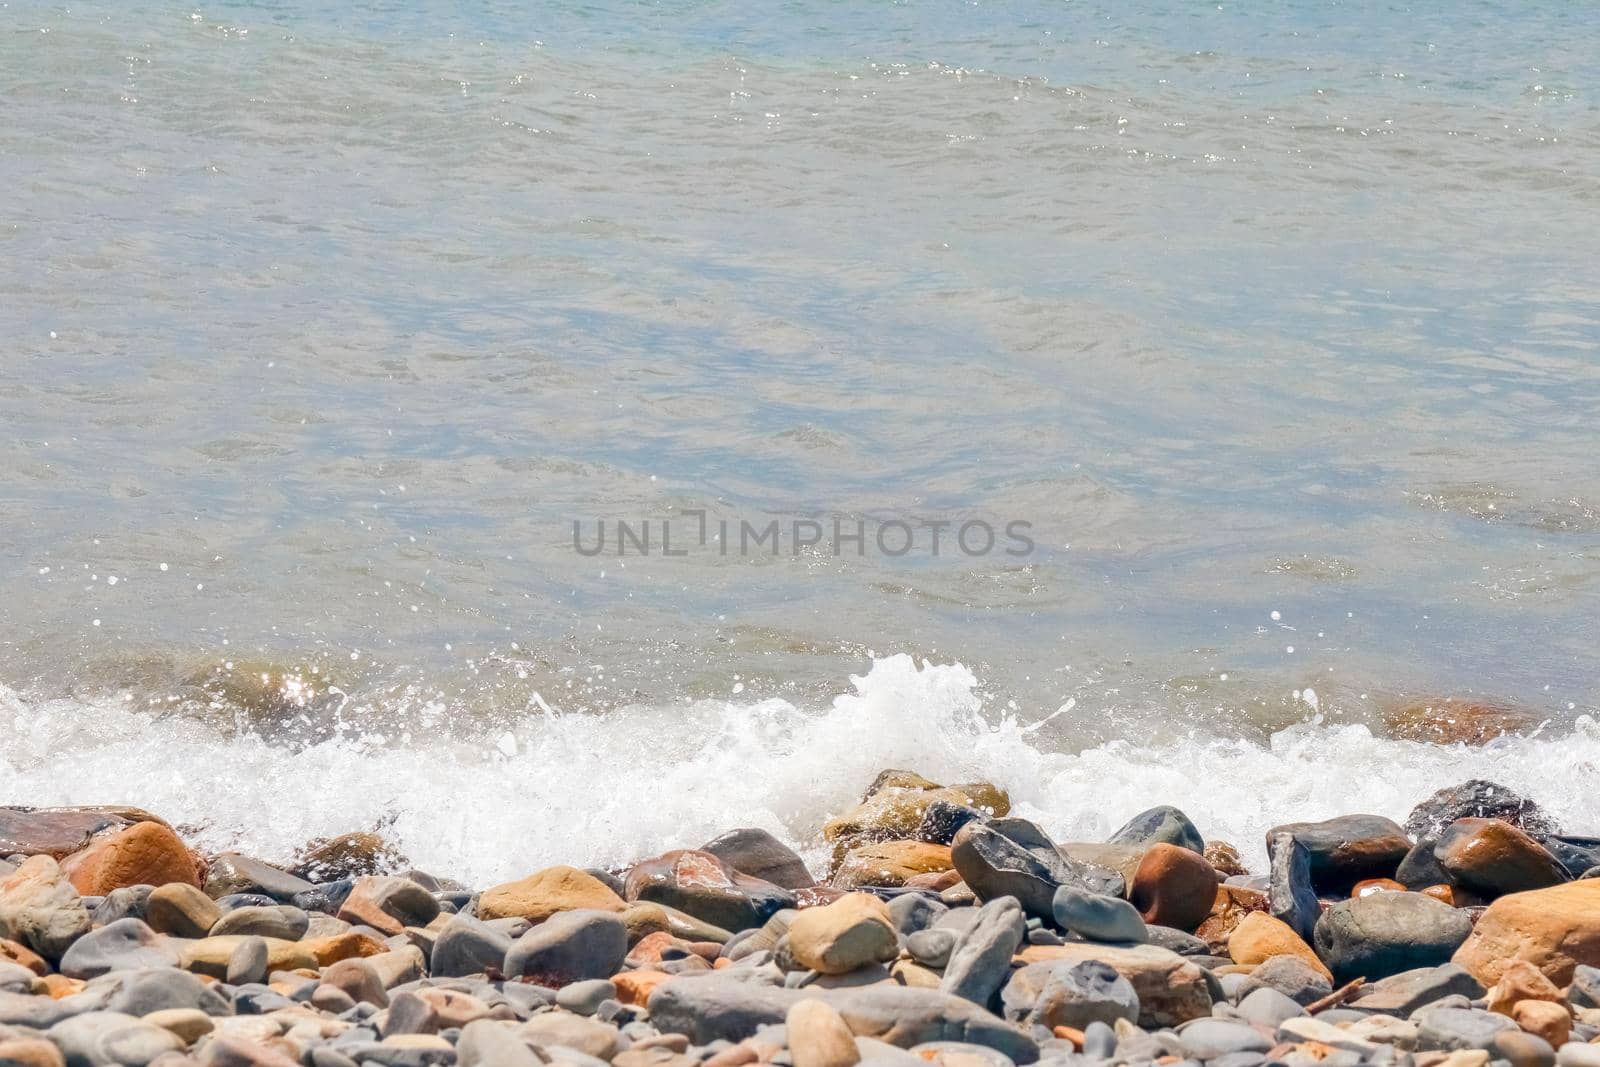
{"x":994,"y":865}
{"x":1578,"y":855}
{"x":714,"y":1007}
{"x":1492,"y":858}
{"x":591,"y":1037}
{"x":572,"y":946}
{"x":490,"y":1043}
{"x":137,"y":1044}
{"x":359,"y":979}
{"x":145,"y":853}
{"x":981,"y":960}
{"x":1449,"y":1029}
{"x":282,"y":921}
{"x":1347,"y":849}
{"x":818,"y":1037}
{"x":1406,"y":992}
{"x":1070,"y":994}
{"x":1097,"y":917}
{"x":943,"y":818}
{"x":959,"y":1054}
{"x":892,"y":863}
{"x":1163,"y":824}
{"x":1421,"y":868}
{"x":896,"y":803}
{"x":180,"y":909}
{"x":233,"y":873}
{"x":1173,"y":887}
{"x":467,"y":946}
{"x":125,"y":945}
{"x":854,"y":931}
{"x":585,"y":998}
{"x":1584,"y":989}
{"x":546,"y":892}
{"x":1184,"y":944}
{"x":1573,"y":1054}
{"x":931,"y":948}
{"x":1522,"y":1050}
{"x":79,"y":1037}
{"x":389,"y":904}
{"x":911,"y":912}
{"x":704,"y":886}
{"x":248,"y":962}
{"x":1172,"y":989}
{"x":1478,"y":799}
{"x":41,"y":909}
{"x":1386,"y":933}
{"x":1554,"y":929}
{"x":1209,"y":1039}
{"x":128,"y":902}
{"x":143,"y":992}
{"x":1259,"y":937}
{"x":1291,"y":898}
{"x":1268,"y":1007}
{"x":349,"y":855}
{"x":759,"y":854}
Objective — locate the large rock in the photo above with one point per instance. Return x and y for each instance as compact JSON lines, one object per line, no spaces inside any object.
{"x":570,"y":947}
{"x":59,"y":832}
{"x":210,"y":955}
{"x":1347,"y":849}
{"x":1067,"y":993}
{"x":890,"y":863}
{"x":1259,"y":937}
{"x":181,"y":909}
{"x":852,"y":932}
{"x":1291,"y":897}
{"x":1172,"y":989}
{"x":997,"y":864}
{"x":1097,"y":917}
{"x":232,"y":873}
{"x":981,"y":959}
{"x":1383,"y":934}
{"x":468,"y":946}
{"x":1456,"y":721}
{"x":40,"y":908}
{"x":717,"y":1007}
{"x":544,"y":893}
{"x":1478,"y":799}
{"x":895,"y":804}
{"x":702,"y":885}
{"x":1161,"y":825}
{"x":126,"y":944}
{"x":1174,"y":886}
{"x":146,"y":853}
{"x":1491,"y":858}
{"x":1555,"y":929}
{"x":760,"y":855}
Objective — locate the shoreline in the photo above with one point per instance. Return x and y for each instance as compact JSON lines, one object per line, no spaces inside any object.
{"x":944,"y":929}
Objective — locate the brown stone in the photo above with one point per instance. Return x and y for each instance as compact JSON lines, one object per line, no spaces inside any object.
{"x":890,"y":863}
{"x":938,"y":881}
{"x":1452,"y":721}
{"x":1174,"y":887}
{"x":30,"y":1052}
{"x":544,"y":893}
{"x":59,"y":985}
{"x":1171,"y":988}
{"x":1545,"y":1019}
{"x":209,"y":956}
{"x":1376,"y":885}
{"x":818,"y":1036}
{"x":1491,"y":857}
{"x":1554,"y":929}
{"x":1441,"y":892}
{"x":351,"y":944}
{"x":1521,"y":980}
{"x":1347,"y":849}
{"x":1233,"y":903}
{"x":388,"y":904}
{"x":1259,"y":937}
{"x":357,"y":979}
{"x":347,"y":856}
{"x":23,"y":956}
{"x":634,"y":987}
{"x":852,"y":932}
{"x":895,"y":803}
{"x":146,"y":853}
{"x":1225,"y":858}
{"x":182,"y":910}
{"x":706,"y":887}
{"x":40,"y":908}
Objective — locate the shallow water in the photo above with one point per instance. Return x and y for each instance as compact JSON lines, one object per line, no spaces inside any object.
{"x":319,"y":333}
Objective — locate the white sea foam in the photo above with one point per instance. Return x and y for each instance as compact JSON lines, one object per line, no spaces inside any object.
{"x":603,"y":789}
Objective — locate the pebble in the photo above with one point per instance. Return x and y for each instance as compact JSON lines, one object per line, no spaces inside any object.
{"x":179,"y":909}
{"x":818,"y":1037}
{"x":981,"y":959}
{"x":1097,"y":917}
{"x":1384,"y":934}
{"x":852,"y":932}
{"x":570,"y":947}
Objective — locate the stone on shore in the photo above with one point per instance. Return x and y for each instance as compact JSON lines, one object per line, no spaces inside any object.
{"x":59,"y":832}
{"x":1291,"y":896}
{"x":981,"y":960}
{"x":895,"y":804}
{"x":1491,"y":858}
{"x":1225,"y":858}
{"x":1554,"y":929}
{"x":1383,"y":934}
{"x":41,"y":909}
{"x":544,"y":893}
{"x":702,"y":885}
{"x":146,"y":853}
{"x":854,"y":931}
{"x":1259,"y":937}
{"x":1347,"y":849}
{"x":388,"y":904}
{"x":890,"y":863}
{"x":1171,"y":988}
{"x":1164,"y":824}
{"x":233,"y":873}
{"x":1097,"y":917}
{"x":1174,"y":886}
{"x":181,"y":909}
{"x":760,"y":855}
{"x":126,"y":944}
{"x":818,"y":1036}
{"x":468,"y":946}
{"x":1453,"y":721}
{"x":1068,"y":993}
{"x":347,"y":856}
{"x":1478,"y":799}
{"x":1021,"y":863}
{"x":1406,"y":992}
{"x":570,"y":947}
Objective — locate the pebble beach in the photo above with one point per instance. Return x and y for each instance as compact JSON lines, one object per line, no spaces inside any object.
{"x":945,"y":930}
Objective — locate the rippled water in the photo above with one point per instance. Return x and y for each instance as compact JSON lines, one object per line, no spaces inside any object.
{"x":318,"y":333}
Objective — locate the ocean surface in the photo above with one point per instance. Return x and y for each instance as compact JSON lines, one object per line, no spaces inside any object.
{"x":332,"y":337}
